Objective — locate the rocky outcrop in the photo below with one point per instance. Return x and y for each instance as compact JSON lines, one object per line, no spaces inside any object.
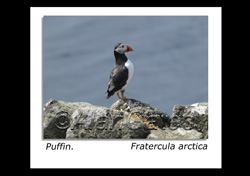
{"x":189,"y":117}
{"x":179,"y":133}
{"x":125,"y":119}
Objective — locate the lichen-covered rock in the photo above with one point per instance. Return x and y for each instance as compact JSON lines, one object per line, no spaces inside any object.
{"x":90,"y":122}
{"x":179,"y":133}
{"x":152,"y":117}
{"x":57,"y":117}
{"x":130,"y":128}
{"x":125,"y":119}
{"x":86,"y":121}
{"x":190,"y":117}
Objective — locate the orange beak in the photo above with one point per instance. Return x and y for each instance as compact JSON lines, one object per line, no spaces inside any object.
{"x":129,"y":48}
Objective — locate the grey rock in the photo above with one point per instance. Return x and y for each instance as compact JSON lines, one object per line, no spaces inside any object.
{"x":179,"y":133}
{"x":130,"y":128}
{"x":152,"y":117}
{"x":103,"y":123}
{"x":85,"y":121}
{"x":189,"y":117}
{"x":57,"y":117}
{"x":125,"y":119}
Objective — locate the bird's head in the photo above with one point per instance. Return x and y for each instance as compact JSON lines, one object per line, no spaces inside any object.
{"x":122,"y":48}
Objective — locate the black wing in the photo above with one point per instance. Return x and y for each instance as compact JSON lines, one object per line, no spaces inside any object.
{"x":118,"y":78}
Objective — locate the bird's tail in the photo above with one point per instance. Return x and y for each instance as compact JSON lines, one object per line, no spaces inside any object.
{"x":108,"y":95}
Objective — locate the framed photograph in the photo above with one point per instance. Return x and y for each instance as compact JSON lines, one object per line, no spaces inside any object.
{"x":132,"y":79}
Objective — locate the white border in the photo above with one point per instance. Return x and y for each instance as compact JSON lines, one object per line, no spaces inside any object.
{"x":117,"y":153}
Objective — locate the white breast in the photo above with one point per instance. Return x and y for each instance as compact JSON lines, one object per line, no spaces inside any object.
{"x":130,"y":68}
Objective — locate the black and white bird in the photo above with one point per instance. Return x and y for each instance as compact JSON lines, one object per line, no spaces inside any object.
{"x":121,"y":73}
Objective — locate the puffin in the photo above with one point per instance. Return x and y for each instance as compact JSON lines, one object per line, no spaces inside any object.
{"x":122,"y":72}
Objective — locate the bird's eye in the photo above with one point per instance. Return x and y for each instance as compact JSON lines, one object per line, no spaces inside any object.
{"x":122,"y":46}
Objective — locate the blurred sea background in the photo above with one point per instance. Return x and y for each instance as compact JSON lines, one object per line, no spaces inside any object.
{"x":170,"y":58}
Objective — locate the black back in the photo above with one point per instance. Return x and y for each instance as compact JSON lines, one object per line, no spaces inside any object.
{"x":119,"y":75}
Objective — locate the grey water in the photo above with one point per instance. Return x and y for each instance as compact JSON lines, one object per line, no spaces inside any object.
{"x":170,"y":58}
